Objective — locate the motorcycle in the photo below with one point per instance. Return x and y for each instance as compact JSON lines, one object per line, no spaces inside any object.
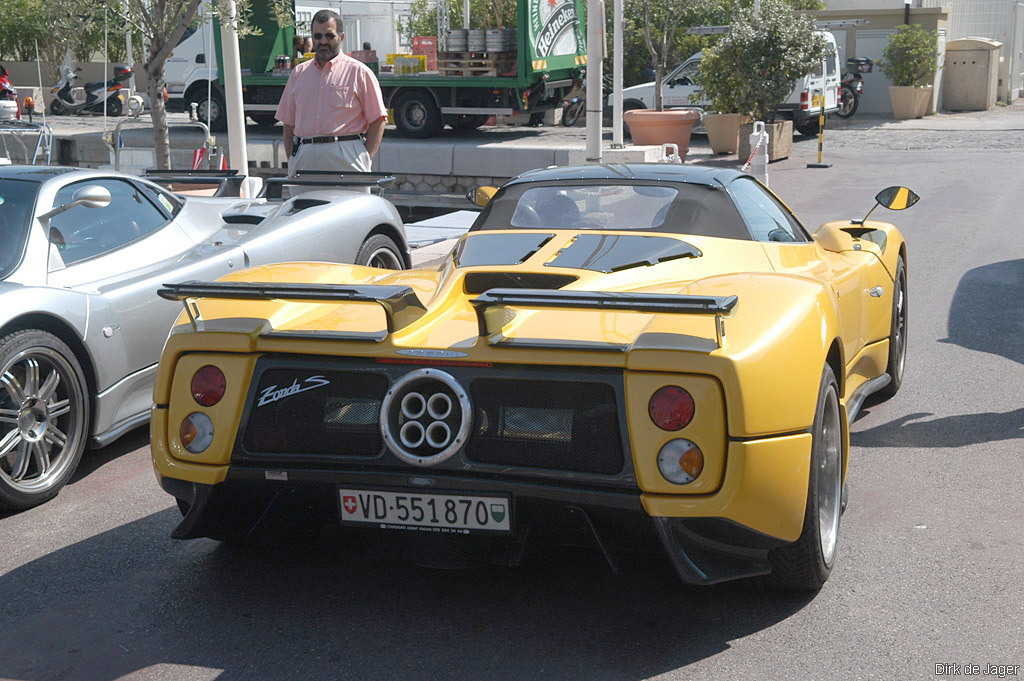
{"x":97,"y":95}
{"x":574,"y":107}
{"x":852,"y":85}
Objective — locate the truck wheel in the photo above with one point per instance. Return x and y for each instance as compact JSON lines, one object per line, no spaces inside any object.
{"x":808,"y":126}
{"x":416,"y":115}
{"x":266,"y":120}
{"x":215,"y":105}
{"x":44,"y":417}
{"x":805,"y":564}
{"x":461,"y":122}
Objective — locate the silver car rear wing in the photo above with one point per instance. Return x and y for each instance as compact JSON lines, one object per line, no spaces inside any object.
{"x":722,"y":307}
{"x":272,"y":186}
{"x":400,"y":304}
{"x":227,"y":182}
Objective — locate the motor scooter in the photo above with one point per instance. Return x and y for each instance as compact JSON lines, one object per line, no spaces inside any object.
{"x":97,"y":95}
{"x":852,"y":85}
{"x":7,"y":91}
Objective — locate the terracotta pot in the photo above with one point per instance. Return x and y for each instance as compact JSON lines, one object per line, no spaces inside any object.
{"x":724,"y":131}
{"x":910,"y":101}
{"x":780,"y":140}
{"x":662,"y":127}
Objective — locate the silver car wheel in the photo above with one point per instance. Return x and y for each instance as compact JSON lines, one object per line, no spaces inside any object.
{"x":384,"y":258}
{"x":829,"y":478}
{"x":41,"y":419}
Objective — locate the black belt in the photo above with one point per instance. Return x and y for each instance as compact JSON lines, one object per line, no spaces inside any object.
{"x":324,"y":139}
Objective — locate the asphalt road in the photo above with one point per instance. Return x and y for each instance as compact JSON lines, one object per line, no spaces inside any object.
{"x":929,"y":567}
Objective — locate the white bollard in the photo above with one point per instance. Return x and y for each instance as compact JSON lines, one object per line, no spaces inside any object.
{"x":758,"y":161}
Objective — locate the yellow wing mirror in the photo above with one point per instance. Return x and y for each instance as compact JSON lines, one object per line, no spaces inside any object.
{"x":481,"y":196}
{"x":893,"y":198}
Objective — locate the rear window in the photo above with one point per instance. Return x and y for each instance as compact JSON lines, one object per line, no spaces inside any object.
{"x":17,"y":199}
{"x":677,"y":208}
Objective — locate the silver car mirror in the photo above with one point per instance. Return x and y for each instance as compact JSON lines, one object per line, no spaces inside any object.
{"x":90,"y":196}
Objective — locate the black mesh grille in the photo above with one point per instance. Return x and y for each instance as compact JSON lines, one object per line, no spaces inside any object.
{"x":478,"y":282}
{"x":571,"y":426}
{"x":316,"y":412}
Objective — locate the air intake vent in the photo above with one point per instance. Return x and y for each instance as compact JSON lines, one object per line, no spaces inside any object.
{"x":479,"y":282}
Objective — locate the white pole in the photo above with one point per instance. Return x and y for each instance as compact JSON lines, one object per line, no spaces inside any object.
{"x":465,"y":13}
{"x":233,"y":93}
{"x":128,"y":45}
{"x":595,"y":15}
{"x":617,"y":77}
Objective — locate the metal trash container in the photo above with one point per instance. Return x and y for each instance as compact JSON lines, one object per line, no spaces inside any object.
{"x":971,"y":74}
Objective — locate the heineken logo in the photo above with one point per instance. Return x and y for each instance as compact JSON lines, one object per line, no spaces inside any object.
{"x":549,"y":29}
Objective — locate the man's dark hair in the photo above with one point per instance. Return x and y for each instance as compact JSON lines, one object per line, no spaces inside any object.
{"x":325,"y":15}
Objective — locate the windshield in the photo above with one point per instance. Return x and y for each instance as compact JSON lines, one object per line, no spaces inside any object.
{"x":17,"y":199}
{"x":679,"y":208}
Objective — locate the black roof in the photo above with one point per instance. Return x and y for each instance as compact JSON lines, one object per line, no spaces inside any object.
{"x":33,"y":173}
{"x":659,"y":172}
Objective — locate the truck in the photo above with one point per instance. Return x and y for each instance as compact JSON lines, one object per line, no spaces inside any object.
{"x":546,"y":66}
{"x":680,"y":89}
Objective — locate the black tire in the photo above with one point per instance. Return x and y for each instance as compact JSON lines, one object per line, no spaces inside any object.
{"x":572,"y":112}
{"x":416,"y":115}
{"x":849,"y":100}
{"x":380,"y":251}
{"x":114,"y":106}
{"x":216,"y":105}
{"x":264,"y":120}
{"x":630,"y":106}
{"x":57,"y":107}
{"x":808,"y":126}
{"x":805,"y":564}
{"x":44,"y":417}
{"x":465,"y":122}
{"x":897,"y":333}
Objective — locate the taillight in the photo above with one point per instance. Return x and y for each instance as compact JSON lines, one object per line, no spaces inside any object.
{"x":196,"y":432}
{"x":805,"y":102}
{"x":680,"y":461}
{"x":208,"y":385}
{"x":671,"y":408}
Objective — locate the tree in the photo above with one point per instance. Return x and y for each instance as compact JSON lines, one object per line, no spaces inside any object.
{"x":910,"y":58}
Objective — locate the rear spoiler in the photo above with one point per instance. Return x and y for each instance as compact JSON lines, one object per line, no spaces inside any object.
{"x":324,"y":178}
{"x":400,"y":304}
{"x":228,"y":182}
{"x":661,"y":303}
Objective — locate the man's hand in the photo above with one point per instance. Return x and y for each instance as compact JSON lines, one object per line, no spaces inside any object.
{"x":289,"y":133}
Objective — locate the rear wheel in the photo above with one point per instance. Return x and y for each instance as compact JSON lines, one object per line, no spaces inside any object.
{"x":44,"y":417}
{"x":213,"y":108}
{"x":463,"y":122}
{"x":572,"y":112}
{"x":57,"y":107}
{"x":629,"y":106}
{"x":848,"y":101}
{"x":808,"y":126}
{"x":805,"y":564}
{"x":266,"y":120}
{"x":380,"y":251}
{"x":114,"y":106}
{"x":897,"y":333}
{"x":416,"y":115}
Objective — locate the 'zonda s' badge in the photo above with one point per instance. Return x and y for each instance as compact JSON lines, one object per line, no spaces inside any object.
{"x":273,"y":393}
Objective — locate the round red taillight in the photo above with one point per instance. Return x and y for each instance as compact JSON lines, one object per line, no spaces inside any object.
{"x":208,"y":385}
{"x":671,"y":408}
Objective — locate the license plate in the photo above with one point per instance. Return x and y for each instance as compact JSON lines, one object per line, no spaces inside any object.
{"x":444,"y":513}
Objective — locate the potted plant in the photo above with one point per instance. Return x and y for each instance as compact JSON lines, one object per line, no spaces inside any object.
{"x":658,"y":126}
{"x":722,"y":119}
{"x":758,"y":62}
{"x":910,"y":60}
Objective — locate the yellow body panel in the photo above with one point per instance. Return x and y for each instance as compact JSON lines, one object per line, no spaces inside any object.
{"x":765,"y":488}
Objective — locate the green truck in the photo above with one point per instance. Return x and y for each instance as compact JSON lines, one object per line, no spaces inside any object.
{"x":547,"y":64}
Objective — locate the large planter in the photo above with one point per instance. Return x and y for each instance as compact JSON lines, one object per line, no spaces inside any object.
{"x":724,"y":131}
{"x":780,"y":140}
{"x":910,"y":101}
{"x":662,"y":127}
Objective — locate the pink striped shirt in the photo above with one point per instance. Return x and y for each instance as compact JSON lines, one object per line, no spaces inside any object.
{"x":342,"y":98}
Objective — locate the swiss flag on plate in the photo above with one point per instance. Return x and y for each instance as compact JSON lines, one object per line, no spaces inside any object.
{"x":349,"y":503}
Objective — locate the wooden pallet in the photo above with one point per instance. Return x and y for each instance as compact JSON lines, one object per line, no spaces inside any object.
{"x":475,"y":63}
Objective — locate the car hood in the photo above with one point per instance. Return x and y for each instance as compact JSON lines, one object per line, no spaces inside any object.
{"x":445,"y":318}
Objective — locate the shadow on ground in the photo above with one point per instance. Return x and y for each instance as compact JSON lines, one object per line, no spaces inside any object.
{"x":986,"y":314}
{"x":131,"y":599}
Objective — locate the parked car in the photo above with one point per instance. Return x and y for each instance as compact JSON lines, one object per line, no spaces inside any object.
{"x":680,"y":90}
{"x":82,"y":254}
{"x":632,"y":356}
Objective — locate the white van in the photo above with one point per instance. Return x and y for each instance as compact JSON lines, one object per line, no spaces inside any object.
{"x":802,"y":105}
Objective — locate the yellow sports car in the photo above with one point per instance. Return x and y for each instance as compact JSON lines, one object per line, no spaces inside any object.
{"x":626,"y":356}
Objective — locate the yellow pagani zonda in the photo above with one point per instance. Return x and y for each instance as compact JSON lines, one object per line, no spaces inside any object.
{"x":629,"y":356}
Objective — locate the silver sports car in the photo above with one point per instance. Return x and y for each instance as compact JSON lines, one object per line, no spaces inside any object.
{"x":82,"y":254}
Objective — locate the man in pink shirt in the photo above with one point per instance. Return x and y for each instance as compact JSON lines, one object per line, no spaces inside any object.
{"x":332,"y":108}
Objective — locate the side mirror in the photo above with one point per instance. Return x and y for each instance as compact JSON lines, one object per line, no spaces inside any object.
{"x":893,"y":198}
{"x":90,"y":196}
{"x":481,"y":196}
